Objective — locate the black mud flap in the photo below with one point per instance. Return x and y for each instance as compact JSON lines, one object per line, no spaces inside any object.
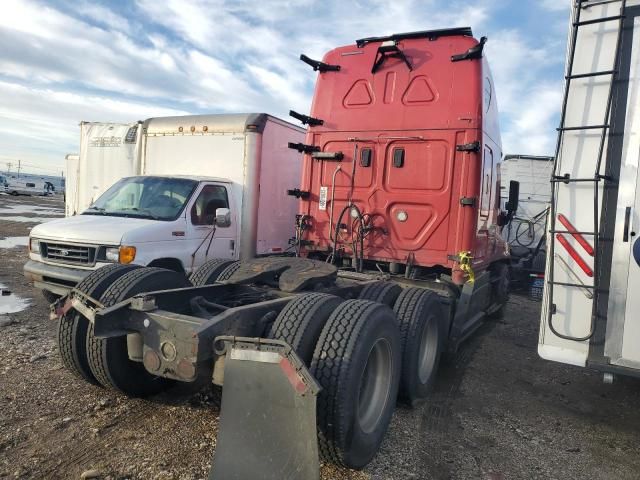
{"x":268,"y":416}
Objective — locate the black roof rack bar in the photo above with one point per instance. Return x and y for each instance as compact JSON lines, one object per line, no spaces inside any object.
{"x":430,"y":34}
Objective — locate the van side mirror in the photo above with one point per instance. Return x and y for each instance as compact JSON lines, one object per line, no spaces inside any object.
{"x":223,"y":217}
{"x":514,"y":194}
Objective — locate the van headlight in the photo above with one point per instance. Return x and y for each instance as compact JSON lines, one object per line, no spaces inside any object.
{"x":112,"y":254}
{"x":122,"y":254}
{"x":34,"y":245}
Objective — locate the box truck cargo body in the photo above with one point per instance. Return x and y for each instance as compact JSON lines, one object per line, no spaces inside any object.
{"x":188,"y":168}
{"x":590,"y":305}
{"x":108,"y":152}
{"x":533,"y":173}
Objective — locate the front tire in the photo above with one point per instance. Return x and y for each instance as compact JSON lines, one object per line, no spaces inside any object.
{"x":209,"y":272}
{"x":109,"y":357}
{"x":357,"y":363}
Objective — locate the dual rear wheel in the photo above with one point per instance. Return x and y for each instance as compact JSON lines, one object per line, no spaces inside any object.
{"x":364,"y":354}
{"x":105,"y":361}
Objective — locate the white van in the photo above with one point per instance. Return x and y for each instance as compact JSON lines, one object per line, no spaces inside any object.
{"x":212,"y":186}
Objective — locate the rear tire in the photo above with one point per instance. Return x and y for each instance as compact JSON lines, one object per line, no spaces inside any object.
{"x":357,"y":363}
{"x":108,"y":357}
{"x":208,"y":273}
{"x":381,"y":292}
{"x":419,"y":315}
{"x":229,"y":271}
{"x":73,"y":327}
{"x":301,"y":321}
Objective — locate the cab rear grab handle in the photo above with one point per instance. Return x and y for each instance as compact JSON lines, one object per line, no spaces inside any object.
{"x":627,"y":217}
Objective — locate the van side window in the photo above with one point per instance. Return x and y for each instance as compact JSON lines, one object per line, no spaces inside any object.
{"x":204,"y":208}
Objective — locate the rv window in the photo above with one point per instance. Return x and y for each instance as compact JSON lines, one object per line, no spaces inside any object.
{"x":204,"y":208}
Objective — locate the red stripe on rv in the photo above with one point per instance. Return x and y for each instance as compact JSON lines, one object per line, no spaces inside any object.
{"x":574,"y":233}
{"x":575,"y":255}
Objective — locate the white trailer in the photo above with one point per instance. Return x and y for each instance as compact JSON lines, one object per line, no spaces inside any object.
{"x":533,"y":173}
{"x":589,"y":315}
{"x":209,"y":186}
{"x":108,"y":152}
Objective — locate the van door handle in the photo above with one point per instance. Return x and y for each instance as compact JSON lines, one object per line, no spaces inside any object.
{"x":625,"y":232}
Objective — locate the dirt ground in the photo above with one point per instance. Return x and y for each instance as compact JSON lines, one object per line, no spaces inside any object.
{"x":498,"y":411}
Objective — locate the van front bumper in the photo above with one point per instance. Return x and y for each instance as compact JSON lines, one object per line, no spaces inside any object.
{"x":58,"y":280}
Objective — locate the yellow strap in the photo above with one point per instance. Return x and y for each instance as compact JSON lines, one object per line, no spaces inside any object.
{"x":465,"y":265}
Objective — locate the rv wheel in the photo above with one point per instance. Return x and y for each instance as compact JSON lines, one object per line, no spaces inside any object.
{"x":420,"y":317}
{"x":301,"y":320}
{"x":108,"y":357}
{"x":357,"y":363}
{"x":72,"y":327}
{"x":209,"y":272}
{"x":382,"y":292}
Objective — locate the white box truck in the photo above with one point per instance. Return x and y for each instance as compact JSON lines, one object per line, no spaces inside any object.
{"x":209,"y":186}
{"x":533,"y":173}
{"x":108,"y":152}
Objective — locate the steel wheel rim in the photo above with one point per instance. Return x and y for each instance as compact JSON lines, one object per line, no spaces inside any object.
{"x":375,"y":384}
{"x":428,"y":350}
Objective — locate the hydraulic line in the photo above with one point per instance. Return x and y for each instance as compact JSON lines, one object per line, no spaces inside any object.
{"x":333,"y":197}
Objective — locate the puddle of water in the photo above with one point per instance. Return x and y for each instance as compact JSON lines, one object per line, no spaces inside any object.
{"x":34,"y":209}
{"x":11,"y":242}
{"x":12,"y":303}
{"x":18,"y":218}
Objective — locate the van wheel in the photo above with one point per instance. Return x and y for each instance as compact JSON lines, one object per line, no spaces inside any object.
{"x":108,"y":357}
{"x":49,"y":296}
{"x":72,"y":327}
{"x":382,"y":292}
{"x":420,"y":317}
{"x":357,"y":363}
{"x":301,"y":321}
{"x":208,"y":273}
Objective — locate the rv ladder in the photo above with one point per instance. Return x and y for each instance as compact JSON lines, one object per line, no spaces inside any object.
{"x":566,"y":182}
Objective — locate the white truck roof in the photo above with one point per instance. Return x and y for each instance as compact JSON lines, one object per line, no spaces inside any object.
{"x":219,"y":123}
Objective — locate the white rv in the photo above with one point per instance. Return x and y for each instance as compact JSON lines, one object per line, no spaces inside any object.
{"x":533,"y":173}
{"x":590,"y":313}
{"x":204,"y":187}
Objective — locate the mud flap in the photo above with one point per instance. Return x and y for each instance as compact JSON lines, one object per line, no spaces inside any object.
{"x":268,"y":416}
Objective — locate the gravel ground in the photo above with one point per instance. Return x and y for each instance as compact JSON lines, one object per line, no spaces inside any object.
{"x":498,"y":411}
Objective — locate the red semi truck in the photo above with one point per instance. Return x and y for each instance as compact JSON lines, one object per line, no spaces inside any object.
{"x":398,"y":259}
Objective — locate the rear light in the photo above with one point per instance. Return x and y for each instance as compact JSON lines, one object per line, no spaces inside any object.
{"x":575,"y":234}
{"x":572,"y":251}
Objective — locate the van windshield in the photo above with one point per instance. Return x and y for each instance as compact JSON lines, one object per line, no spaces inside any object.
{"x":157,"y":198}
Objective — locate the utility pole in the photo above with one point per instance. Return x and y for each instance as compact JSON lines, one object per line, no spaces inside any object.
{"x":9,"y":165}
{"x":18,"y":168}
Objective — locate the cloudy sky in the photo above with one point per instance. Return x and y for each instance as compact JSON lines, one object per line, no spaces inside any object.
{"x":66,"y":61}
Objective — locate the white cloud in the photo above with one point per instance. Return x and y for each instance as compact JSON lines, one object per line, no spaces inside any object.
{"x":556,"y":5}
{"x":88,"y":61}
